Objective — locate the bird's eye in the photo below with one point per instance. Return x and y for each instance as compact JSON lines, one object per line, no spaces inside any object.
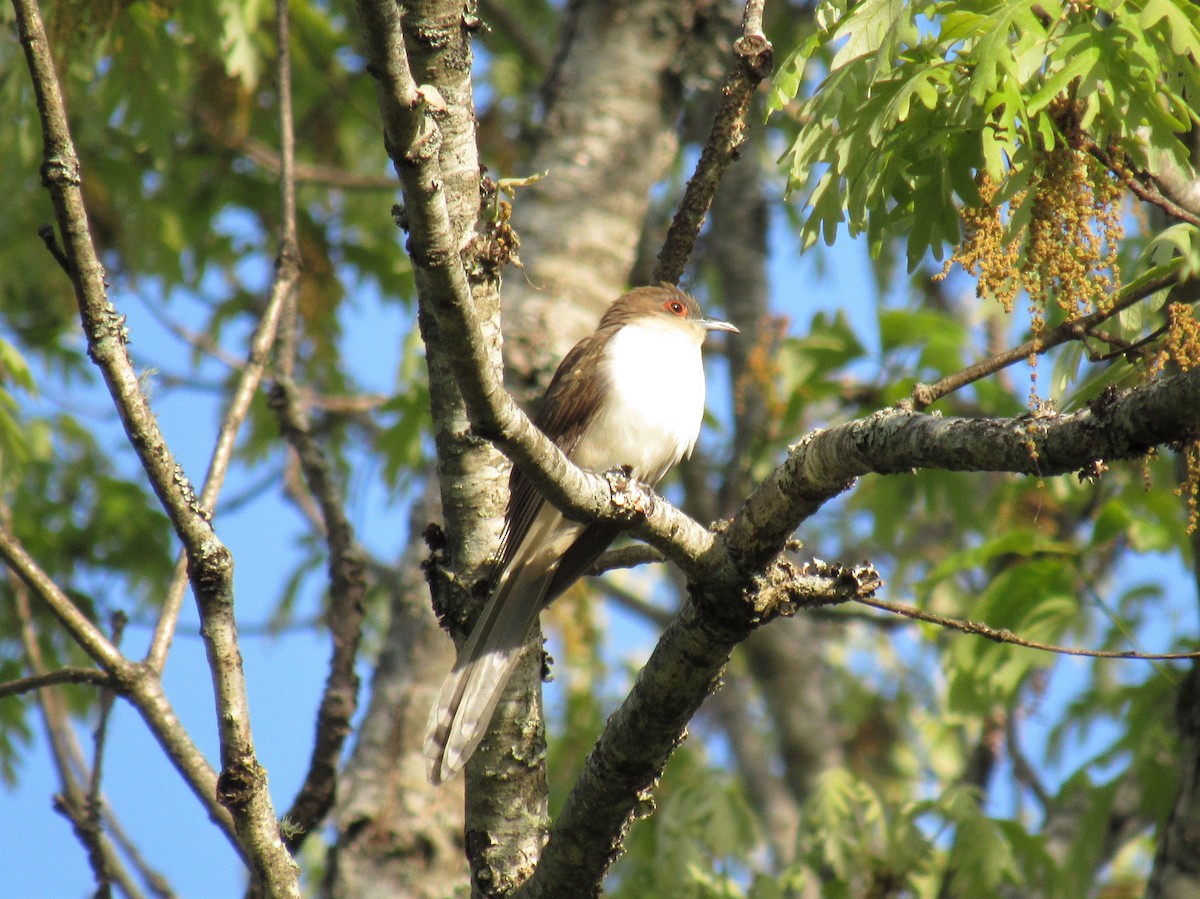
{"x":675,"y":307}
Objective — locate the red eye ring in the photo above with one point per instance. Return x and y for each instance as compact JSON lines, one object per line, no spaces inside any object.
{"x":675,"y":308}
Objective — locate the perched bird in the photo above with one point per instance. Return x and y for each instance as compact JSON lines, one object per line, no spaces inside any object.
{"x":631,"y":393}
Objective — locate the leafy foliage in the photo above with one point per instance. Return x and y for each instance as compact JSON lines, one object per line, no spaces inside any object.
{"x":916,"y":100}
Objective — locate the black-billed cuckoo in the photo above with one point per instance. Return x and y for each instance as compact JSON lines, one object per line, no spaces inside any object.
{"x":630,"y":394}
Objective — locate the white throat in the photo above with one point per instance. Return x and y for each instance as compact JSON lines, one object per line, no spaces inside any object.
{"x":654,"y":401}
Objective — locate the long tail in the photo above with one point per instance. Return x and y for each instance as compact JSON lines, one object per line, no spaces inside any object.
{"x":470,"y":692}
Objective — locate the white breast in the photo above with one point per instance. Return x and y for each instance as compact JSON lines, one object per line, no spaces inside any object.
{"x":655,"y":402}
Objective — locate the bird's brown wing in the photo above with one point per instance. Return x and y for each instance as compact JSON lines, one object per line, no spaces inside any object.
{"x":542,"y":555}
{"x":571,"y":403}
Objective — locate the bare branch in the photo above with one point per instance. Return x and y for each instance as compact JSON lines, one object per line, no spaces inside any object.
{"x":346,"y":558}
{"x":21,"y":685}
{"x":138,"y":683}
{"x":1144,"y":185}
{"x":1159,"y":278}
{"x":86,"y":634}
{"x":1003,"y":635}
{"x":753,"y":60}
{"x":242,"y":786}
{"x":684,"y":668}
{"x":89,"y":819}
{"x":1116,"y":426}
{"x":46,"y":233}
{"x":71,"y":803}
{"x":347,"y":563}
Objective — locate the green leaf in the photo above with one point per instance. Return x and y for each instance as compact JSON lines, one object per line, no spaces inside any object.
{"x":786,"y":81}
{"x":240,"y":21}
{"x":874,"y":29}
{"x":1180,"y":29}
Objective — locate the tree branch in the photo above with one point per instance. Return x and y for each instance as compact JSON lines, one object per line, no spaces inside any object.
{"x":1116,"y":426}
{"x":346,"y":559}
{"x":140,"y":685}
{"x":70,"y":801}
{"x":620,"y":773}
{"x":1159,"y":278}
{"x":347,"y":586}
{"x":753,"y":56}
{"x":21,"y":685}
{"x":1145,"y":185}
{"x":1003,"y":635}
{"x":242,"y":785}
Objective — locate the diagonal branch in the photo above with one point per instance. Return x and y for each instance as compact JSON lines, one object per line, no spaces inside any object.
{"x":92,"y":676}
{"x":753,"y":56}
{"x":1003,"y":635}
{"x":1159,"y":278}
{"x":346,"y":558}
{"x":347,"y":565}
{"x":70,"y":802}
{"x":1116,"y":426}
{"x":242,"y":786}
{"x":622,"y":771}
{"x":141,"y":686}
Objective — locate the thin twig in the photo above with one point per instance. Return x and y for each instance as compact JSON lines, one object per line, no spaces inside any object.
{"x":239,"y":407}
{"x":145,"y":692}
{"x":46,"y":233}
{"x":283,"y":285}
{"x":347,"y":561}
{"x":86,"y":634}
{"x":93,"y":676}
{"x":1163,"y":276}
{"x":1003,"y":635}
{"x":70,"y":802}
{"x":197,"y":340}
{"x":92,"y":812}
{"x":1143,"y":184}
{"x":1023,"y":770}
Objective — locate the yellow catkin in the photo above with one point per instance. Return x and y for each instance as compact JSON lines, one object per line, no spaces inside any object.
{"x":1065,"y":257}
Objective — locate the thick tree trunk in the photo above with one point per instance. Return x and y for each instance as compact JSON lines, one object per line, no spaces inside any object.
{"x":399,"y":836}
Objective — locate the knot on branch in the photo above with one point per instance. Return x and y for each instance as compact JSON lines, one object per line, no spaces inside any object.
{"x":61,"y":170}
{"x":756,"y":55}
{"x":456,"y":601}
{"x":109,"y":324}
{"x":828,"y":583}
{"x":630,"y":499}
{"x":239,"y":781}
{"x":211,"y":572}
{"x":785,"y":587}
